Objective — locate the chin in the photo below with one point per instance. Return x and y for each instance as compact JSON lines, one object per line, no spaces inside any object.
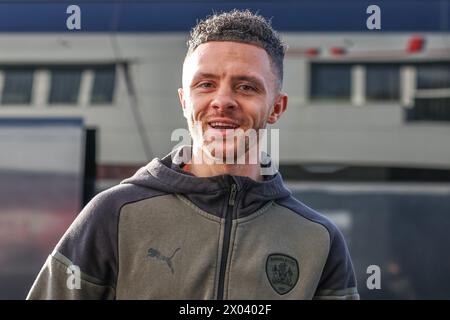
{"x":226,"y":154}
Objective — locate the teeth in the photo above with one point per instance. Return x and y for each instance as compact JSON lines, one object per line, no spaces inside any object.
{"x":221,"y":124}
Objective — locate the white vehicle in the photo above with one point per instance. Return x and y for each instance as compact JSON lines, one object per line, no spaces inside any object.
{"x":357,"y":98}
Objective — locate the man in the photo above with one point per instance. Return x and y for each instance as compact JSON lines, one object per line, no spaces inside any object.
{"x":199,"y":224}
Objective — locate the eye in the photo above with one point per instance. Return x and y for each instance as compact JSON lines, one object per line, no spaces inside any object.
{"x":205,"y":85}
{"x":246,"y":88}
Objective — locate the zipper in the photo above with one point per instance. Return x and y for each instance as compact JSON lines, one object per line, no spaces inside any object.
{"x":226,"y":241}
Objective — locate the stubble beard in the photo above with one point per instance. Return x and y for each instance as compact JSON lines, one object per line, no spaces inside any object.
{"x":239,"y":146}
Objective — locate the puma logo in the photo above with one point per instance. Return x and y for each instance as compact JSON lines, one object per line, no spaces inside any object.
{"x":158,"y":255}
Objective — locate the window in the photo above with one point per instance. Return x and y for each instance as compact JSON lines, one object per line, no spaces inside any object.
{"x":330,"y":82}
{"x":432,"y":97}
{"x":103,"y":87}
{"x":430,"y":109}
{"x":382,"y":82}
{"x":433,"y":76}
{"x":17,"y":86}
{"x":65,"y":85}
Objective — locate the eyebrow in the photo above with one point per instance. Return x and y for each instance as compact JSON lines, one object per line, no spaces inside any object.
{"x":202,"y":75}
{"x":252,"y":79}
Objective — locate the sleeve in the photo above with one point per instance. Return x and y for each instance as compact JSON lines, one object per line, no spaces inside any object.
{"x":84,"y":263}
{"x":338,"y":281}
{"x":57,"y":281}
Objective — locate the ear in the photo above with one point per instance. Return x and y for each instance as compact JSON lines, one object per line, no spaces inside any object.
{"x":279,"y":108}
{"x":182,"y":101}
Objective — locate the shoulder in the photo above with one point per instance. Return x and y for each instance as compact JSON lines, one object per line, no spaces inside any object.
{"x":299,"y":208}
{"x":336,"y":241}
{"x":108,"y":203}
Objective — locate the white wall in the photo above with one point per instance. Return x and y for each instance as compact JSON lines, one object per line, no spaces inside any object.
{"x":371,"y":134}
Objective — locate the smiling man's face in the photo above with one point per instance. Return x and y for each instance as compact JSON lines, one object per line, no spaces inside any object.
{"x":228,"y":86}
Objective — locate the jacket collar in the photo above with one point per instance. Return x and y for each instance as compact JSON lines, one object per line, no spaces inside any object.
{"x":211,"y":194}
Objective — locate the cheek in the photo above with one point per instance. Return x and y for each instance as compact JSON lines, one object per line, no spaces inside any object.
{"x":197,"y":107}
{"x":257,"y":115}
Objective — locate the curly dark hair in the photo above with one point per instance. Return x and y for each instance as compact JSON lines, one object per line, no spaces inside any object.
{"x":241,"y":26}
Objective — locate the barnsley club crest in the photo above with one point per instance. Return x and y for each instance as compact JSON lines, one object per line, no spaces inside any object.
{"x":282,"y":272}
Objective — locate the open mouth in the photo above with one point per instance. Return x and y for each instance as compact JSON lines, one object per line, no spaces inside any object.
{"x":223,"y":124}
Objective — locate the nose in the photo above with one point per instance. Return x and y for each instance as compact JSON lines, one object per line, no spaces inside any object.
{"x":223,"y":99}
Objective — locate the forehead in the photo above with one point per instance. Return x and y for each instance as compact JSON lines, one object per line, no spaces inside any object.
{"x":223,"y":57}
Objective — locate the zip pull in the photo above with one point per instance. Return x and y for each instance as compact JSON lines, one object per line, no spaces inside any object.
{"x":233,"y":192}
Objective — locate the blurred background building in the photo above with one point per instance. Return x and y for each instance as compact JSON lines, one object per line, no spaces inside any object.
{"x":365,"y":140}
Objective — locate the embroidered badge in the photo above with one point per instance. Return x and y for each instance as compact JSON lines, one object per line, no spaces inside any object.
{"x":282,"y":272}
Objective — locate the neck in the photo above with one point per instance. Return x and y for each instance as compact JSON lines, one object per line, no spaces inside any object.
{"x":201,"y":169}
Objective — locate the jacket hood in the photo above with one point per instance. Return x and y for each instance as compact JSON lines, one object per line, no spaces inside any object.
{"x":209,"y":193}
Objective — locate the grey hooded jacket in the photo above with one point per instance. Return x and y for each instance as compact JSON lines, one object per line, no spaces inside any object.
{"x":166,"y":234}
